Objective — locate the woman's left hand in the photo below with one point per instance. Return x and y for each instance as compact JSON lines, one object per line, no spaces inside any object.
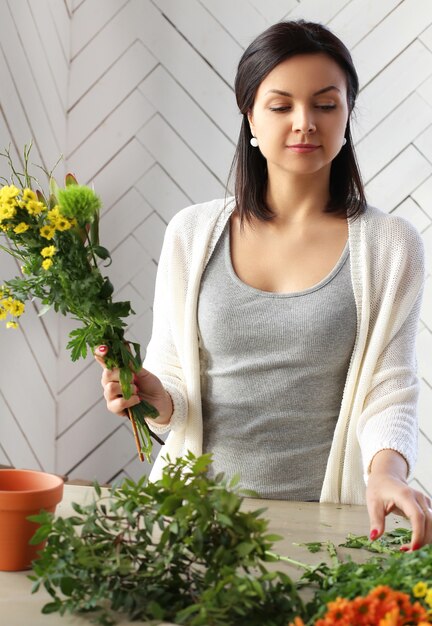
{"x":388,"y":492}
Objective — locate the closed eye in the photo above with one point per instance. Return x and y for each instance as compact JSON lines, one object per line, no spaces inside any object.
{"x":323,"y":107}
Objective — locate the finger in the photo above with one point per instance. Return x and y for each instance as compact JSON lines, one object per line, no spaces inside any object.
{"x":100,"y":354}
{"x":417,"y":517}
{"x":113,"y":390}
{"x":377,"y":514}
{"x":110,"y":376}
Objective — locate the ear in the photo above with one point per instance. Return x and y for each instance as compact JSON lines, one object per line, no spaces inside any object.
{"x":250,"y":120}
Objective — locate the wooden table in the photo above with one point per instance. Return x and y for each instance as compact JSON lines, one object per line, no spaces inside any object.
{"x":297,"y":522}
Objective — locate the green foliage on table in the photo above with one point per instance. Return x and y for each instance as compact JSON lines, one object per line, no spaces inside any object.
{"x":399,"y":570}
{"x":178,"y":550}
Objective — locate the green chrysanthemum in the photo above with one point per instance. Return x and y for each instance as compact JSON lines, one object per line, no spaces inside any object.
{"x":79,"y":202}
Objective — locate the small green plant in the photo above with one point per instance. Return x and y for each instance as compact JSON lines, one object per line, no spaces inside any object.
{"x":180,"y":550}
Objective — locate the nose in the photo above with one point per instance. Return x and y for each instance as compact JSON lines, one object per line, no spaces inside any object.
{"x":303,"y":121}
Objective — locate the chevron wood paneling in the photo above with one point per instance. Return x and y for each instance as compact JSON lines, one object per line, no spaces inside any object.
{"x":138,"y":96}
{"x":34,"y":65}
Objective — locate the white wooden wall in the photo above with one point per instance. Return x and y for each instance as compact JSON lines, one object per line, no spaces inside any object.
{"x":138,"y":96}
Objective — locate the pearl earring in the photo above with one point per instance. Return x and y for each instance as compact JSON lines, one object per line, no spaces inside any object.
{"x":344,"y":141}
{"x":254,"y":142}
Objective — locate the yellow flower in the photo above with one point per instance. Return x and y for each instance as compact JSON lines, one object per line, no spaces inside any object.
{"x":47,"y":264}
{"x":8,"y":193}
{"x":428,"y":597}
{"x":7,"y":303}
{"x":48,"y":251}
{"x":17,"y":308}
{"x":11,"y":324}
{"x":61,"y":223}
{"x":54,"y":214}
{"x":47,"y":232}
{"x":420,"y":589}
{"x":29,"y":194}
{"x":7,"y":211}
{"x":34,"y":208}
{"x":21,"y":228}
{"x":3,"y":314}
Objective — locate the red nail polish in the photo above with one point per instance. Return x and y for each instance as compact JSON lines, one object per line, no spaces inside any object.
{"x":102,"y":348}
{"x":404,"y":549}
{"x":416,"y":546}
{"x":373,"y":534}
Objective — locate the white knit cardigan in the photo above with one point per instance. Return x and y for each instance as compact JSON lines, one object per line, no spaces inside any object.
{"x":379,"y":404}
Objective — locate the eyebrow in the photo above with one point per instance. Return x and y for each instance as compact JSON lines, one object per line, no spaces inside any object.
{"x":317,"y":93}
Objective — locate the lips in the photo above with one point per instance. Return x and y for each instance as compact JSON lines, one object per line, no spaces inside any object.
{"x":303,"y":147}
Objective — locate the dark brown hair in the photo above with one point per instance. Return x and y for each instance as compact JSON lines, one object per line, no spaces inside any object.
{"x":274,"y":45}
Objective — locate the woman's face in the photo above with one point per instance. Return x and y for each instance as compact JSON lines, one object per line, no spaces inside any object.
{"x":303,"y":100}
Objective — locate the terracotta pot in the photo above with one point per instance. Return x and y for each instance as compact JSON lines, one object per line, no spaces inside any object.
{"x":23,"y":493}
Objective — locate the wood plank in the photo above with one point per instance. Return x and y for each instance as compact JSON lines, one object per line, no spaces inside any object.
{"x":150,"y":235}
{"x":422,"y":471}
{"x":122,"y":172}
{"x":425,"y":90}
{"x":407,"y":21}
{"x":85,"y":435}
{"x":274,"y":10}
{"x":424,"y":350}
{"x":425,"y":397}
{"x":34,"y":409}
{"x":411,"y":211}
{"x":111,"y":136}
{"x":108,"y":93}
{"x":396,"y":181}
{"x":316,"y":10}
{"x":123,"y":218}
{"x":358,"y":17}
{"x":14,"y":442}
{"x":162,"y":193}
{"x":105,"y":47}
{"x":423,"y":194}
{"x":426,"y":37}
{"x":19,"y":131}
{"x":144,"y":283}
{"x":108,"y":458}
{"x":61,"y":19}
{"x":424,"y":141}
{"x":190,"y":122}
{"x":127,"y":261}
{"x":89,"y":18}
{"x":404,"y":74}
{"x":195,"y":75}
{"x":58,"y":60}
{"x":189,"y":172}
{"x":231,"y":16}
{"x":39,"y":64}
{"x":206,"y":34}
{"x":82,"y":394}
{"x":411,"y":118}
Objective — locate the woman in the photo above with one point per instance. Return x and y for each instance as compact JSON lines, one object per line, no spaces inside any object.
{"x":285,"y":317}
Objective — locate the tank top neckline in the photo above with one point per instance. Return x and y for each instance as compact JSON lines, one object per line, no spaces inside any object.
{"x":273,"y":294}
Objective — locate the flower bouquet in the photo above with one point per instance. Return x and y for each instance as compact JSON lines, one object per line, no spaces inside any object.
{"x":55,"y":237}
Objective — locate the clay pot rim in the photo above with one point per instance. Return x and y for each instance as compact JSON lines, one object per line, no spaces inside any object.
{"x":56,"y":483}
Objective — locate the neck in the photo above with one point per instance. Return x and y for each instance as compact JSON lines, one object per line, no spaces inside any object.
{"x":297,"y":198}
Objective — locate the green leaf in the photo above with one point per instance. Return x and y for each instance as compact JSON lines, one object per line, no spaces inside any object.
{"x":68,"y":585}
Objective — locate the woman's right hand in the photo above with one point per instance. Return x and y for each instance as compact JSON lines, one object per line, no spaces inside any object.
{"x":146,"y":386}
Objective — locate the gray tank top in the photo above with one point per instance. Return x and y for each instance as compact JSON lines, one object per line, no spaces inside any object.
{"x":273,"y":370}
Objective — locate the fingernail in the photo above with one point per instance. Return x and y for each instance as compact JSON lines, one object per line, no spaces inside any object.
{"x":373,"y":534}
{"x":103,"y":349}
{"x":416,"y":546}
{"x":135,"y":379}
{"x":404,"y":548}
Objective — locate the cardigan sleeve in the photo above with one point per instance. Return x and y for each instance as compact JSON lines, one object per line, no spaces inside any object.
{"x":389,"y":416}
{"x":162,"y":357}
